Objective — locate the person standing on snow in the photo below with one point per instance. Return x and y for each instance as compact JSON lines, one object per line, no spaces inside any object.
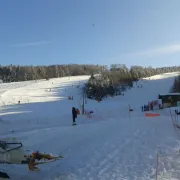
{"x":74,"y":115}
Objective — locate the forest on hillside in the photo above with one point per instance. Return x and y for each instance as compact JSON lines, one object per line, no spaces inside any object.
{"x":176,"y":85}
{"x":120,"y":78}
{"x":112,"y":81}
{"x":14,"y":73}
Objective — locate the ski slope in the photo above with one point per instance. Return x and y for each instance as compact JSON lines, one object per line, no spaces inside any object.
{"x":111,"y":145}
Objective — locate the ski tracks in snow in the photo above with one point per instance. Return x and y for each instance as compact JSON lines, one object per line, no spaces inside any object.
{"x":110,"y":160}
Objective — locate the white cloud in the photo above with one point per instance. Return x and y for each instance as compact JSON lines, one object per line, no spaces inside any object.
{"x":159,"y":51}
{"x":38,"y":43}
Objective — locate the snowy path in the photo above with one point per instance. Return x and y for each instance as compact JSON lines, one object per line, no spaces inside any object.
{"x":112,"y":150}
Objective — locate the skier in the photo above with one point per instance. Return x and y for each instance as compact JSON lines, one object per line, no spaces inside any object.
{"x":176,"y":112}
{"x":142,"y":108}
{"x":74,"y":115}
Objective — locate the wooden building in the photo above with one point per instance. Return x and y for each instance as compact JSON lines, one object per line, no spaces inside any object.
{"x":170,"y":99}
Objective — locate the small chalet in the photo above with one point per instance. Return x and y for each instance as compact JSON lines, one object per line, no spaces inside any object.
{"x":170,"y":99}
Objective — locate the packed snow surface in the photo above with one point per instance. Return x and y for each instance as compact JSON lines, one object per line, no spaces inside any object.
{"x":111,"y":144}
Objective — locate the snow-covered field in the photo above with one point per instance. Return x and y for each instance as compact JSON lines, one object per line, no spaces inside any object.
{"x":111,"y":145}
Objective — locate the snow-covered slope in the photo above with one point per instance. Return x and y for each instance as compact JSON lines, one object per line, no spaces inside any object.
{"x":111,"y":145}
{"x":41,"y":102}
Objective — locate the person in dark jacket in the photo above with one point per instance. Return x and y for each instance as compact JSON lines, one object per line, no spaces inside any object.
{"x":74,"y":115}
{"x":142,"y":108}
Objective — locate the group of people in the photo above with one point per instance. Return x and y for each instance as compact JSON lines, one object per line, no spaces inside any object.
{"x":146,"y":108}
{"x":151,"y":106}
{"x":177,"y":112}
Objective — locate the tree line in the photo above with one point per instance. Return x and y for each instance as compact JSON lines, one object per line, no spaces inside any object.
{"x":119,"y":78}
{"x":176,"y":85}
{"x":14,"y":73}
{"x":112,"y":81}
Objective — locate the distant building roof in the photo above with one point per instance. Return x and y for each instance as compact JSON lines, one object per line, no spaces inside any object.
{"x":170,"y":94}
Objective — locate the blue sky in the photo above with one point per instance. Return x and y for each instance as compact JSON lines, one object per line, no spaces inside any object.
{"x":131,"y":32}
